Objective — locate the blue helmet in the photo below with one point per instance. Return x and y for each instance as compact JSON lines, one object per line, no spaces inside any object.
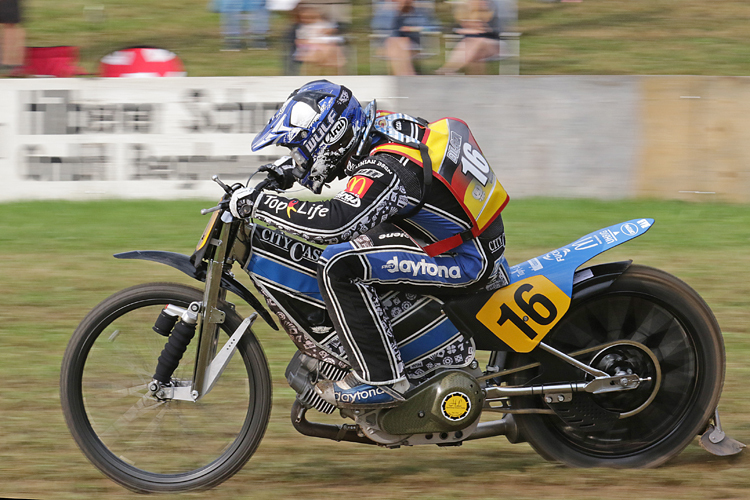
{"x":321,"y":123}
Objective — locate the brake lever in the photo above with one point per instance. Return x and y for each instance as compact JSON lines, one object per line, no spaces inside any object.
{"x":268,"y":183}
{"x":226,"y":188}
{"x":205,"y":211}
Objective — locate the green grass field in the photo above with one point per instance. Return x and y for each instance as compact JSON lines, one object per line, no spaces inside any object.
{"x":56,"y":264}
{"x":591,"y":37}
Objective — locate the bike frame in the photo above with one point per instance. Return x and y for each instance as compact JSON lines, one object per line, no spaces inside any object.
{"x":217,"y":252}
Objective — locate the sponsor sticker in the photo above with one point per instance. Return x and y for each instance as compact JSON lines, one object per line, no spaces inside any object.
{"x":349,"y":198}
{"x":392,"y":235}
{"x":422,"y":267}
{"x":587,"y":242}
{"x":337,"y":131}
{"x":629,"y":228}
{"x":370,"y":172}
{"x":454,"y":147}
{"x":558,"y":255}
{"x":296,"y":249}
{"x":535,"y":264}
{"x":358,"y":186}
{"x":362,"y":241}
{"x":609,"y":236}
{"x":279,"y":205}
{"x":455,"y":406}
{"x":497,"y":243}
{"x":478,"y":193}
{"x":344,"y":97}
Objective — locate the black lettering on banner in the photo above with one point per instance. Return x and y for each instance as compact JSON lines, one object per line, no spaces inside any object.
{"x":507,"y":314}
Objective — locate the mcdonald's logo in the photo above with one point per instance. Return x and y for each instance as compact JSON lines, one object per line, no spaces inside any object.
{"x":358,"y":185}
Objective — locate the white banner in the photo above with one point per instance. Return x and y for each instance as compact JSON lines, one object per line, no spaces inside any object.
{"x":140,"y":138}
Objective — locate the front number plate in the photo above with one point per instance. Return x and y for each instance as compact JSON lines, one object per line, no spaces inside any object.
{"x":521,"y":314}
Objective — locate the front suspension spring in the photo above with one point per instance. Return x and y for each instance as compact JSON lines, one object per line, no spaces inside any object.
{"x":177,"y":344}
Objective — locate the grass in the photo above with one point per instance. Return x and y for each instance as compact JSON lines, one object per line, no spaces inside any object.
{"x":56,"y":264}
{"x":686,"y":37}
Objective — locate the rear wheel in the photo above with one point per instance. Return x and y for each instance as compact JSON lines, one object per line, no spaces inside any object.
{"x":655,"y":325}
{"x":145,"y":444}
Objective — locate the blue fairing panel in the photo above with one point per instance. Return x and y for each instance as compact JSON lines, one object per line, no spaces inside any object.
{"x":283,"y":275}
{"x":560,"y":265}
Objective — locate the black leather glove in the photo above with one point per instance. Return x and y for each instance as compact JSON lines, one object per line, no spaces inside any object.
{"x":281,"y":172}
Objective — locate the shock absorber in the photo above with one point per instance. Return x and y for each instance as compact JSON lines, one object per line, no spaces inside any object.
{"x":182,"y":333}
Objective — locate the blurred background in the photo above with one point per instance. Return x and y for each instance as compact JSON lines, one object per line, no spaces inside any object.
{"x":114,"y":115}
{"x":257,"y":37}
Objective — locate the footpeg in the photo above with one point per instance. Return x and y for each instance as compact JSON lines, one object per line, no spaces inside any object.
{"x":716,"y":442}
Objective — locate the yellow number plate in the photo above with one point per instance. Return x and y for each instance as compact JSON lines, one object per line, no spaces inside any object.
{"x":521,"y":314}
{"x":207,"y":231}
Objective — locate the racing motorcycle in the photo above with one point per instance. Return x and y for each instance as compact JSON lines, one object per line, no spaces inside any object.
{"x":614,"y":364}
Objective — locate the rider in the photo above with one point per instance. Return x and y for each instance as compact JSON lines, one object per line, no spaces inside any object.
{"x":392,"y":227}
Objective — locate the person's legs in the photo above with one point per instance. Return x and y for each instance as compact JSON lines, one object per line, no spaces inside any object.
{"x":231,"y":18}
{"x":399,"y":54}
{"x":350,"y":274}
{"x":456,"y":60}
{"x":483,"y":48}
{"x":13,"y":44}
{"x":257,"y":19}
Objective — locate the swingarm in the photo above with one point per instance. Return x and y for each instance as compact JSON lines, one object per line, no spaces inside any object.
{"x":600,"y":382}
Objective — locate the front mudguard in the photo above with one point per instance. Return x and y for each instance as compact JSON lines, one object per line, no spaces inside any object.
{"x":182,"y":263}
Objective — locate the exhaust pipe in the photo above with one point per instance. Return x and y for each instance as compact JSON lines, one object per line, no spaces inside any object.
{"x":344,"y":432}
{"x":506,"y":426}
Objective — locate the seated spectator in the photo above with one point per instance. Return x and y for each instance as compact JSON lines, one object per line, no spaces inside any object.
{"x":318,"y":44}
{"x":13,"y":35}
{"x":402,"y":21}
{"x":480,"y":25}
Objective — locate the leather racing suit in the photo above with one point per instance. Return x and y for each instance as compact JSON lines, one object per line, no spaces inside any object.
{"x":375,"y":242}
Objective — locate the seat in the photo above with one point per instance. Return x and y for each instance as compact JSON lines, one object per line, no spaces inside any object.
{"x":60,"y":62}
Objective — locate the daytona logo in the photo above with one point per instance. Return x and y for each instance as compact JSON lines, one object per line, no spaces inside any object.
{"x":357,"y":396}
{"x":421,"y":267}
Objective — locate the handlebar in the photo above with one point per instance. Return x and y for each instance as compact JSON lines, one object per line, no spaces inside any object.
{"x":265,"y":183}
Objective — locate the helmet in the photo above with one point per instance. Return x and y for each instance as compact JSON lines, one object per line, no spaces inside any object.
{"x":321,"y":123}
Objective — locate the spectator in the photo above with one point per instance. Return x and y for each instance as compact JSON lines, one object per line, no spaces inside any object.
{"x":318,"y":44}
{"x":402,"y":21}
{"x":480,"y":24}
{"x":13,"y":35}
{"x":257,"y":16}
{"x":233,"y":13}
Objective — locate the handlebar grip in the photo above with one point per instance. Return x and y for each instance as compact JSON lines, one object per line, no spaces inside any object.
{"x":266,"y":184}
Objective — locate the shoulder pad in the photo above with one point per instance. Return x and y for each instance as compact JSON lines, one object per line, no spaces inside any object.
{"x":386,"y":125}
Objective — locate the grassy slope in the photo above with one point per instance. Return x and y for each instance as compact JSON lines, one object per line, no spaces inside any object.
{"x":55,"y":263}
{"x":591,"y":37}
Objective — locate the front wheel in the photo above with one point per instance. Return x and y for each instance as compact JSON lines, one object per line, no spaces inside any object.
{"x":683,"y":355}
{"x":145,"y":444}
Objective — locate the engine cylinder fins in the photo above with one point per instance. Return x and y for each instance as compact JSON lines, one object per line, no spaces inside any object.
{"x":303,"y":372}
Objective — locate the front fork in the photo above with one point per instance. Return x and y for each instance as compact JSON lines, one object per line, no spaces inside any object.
{"x":204,"y":319}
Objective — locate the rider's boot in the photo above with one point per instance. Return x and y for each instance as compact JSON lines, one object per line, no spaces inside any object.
{"x":353,"y":393}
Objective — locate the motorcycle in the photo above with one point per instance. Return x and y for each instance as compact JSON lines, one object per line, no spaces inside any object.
{"x":615,"y":364}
